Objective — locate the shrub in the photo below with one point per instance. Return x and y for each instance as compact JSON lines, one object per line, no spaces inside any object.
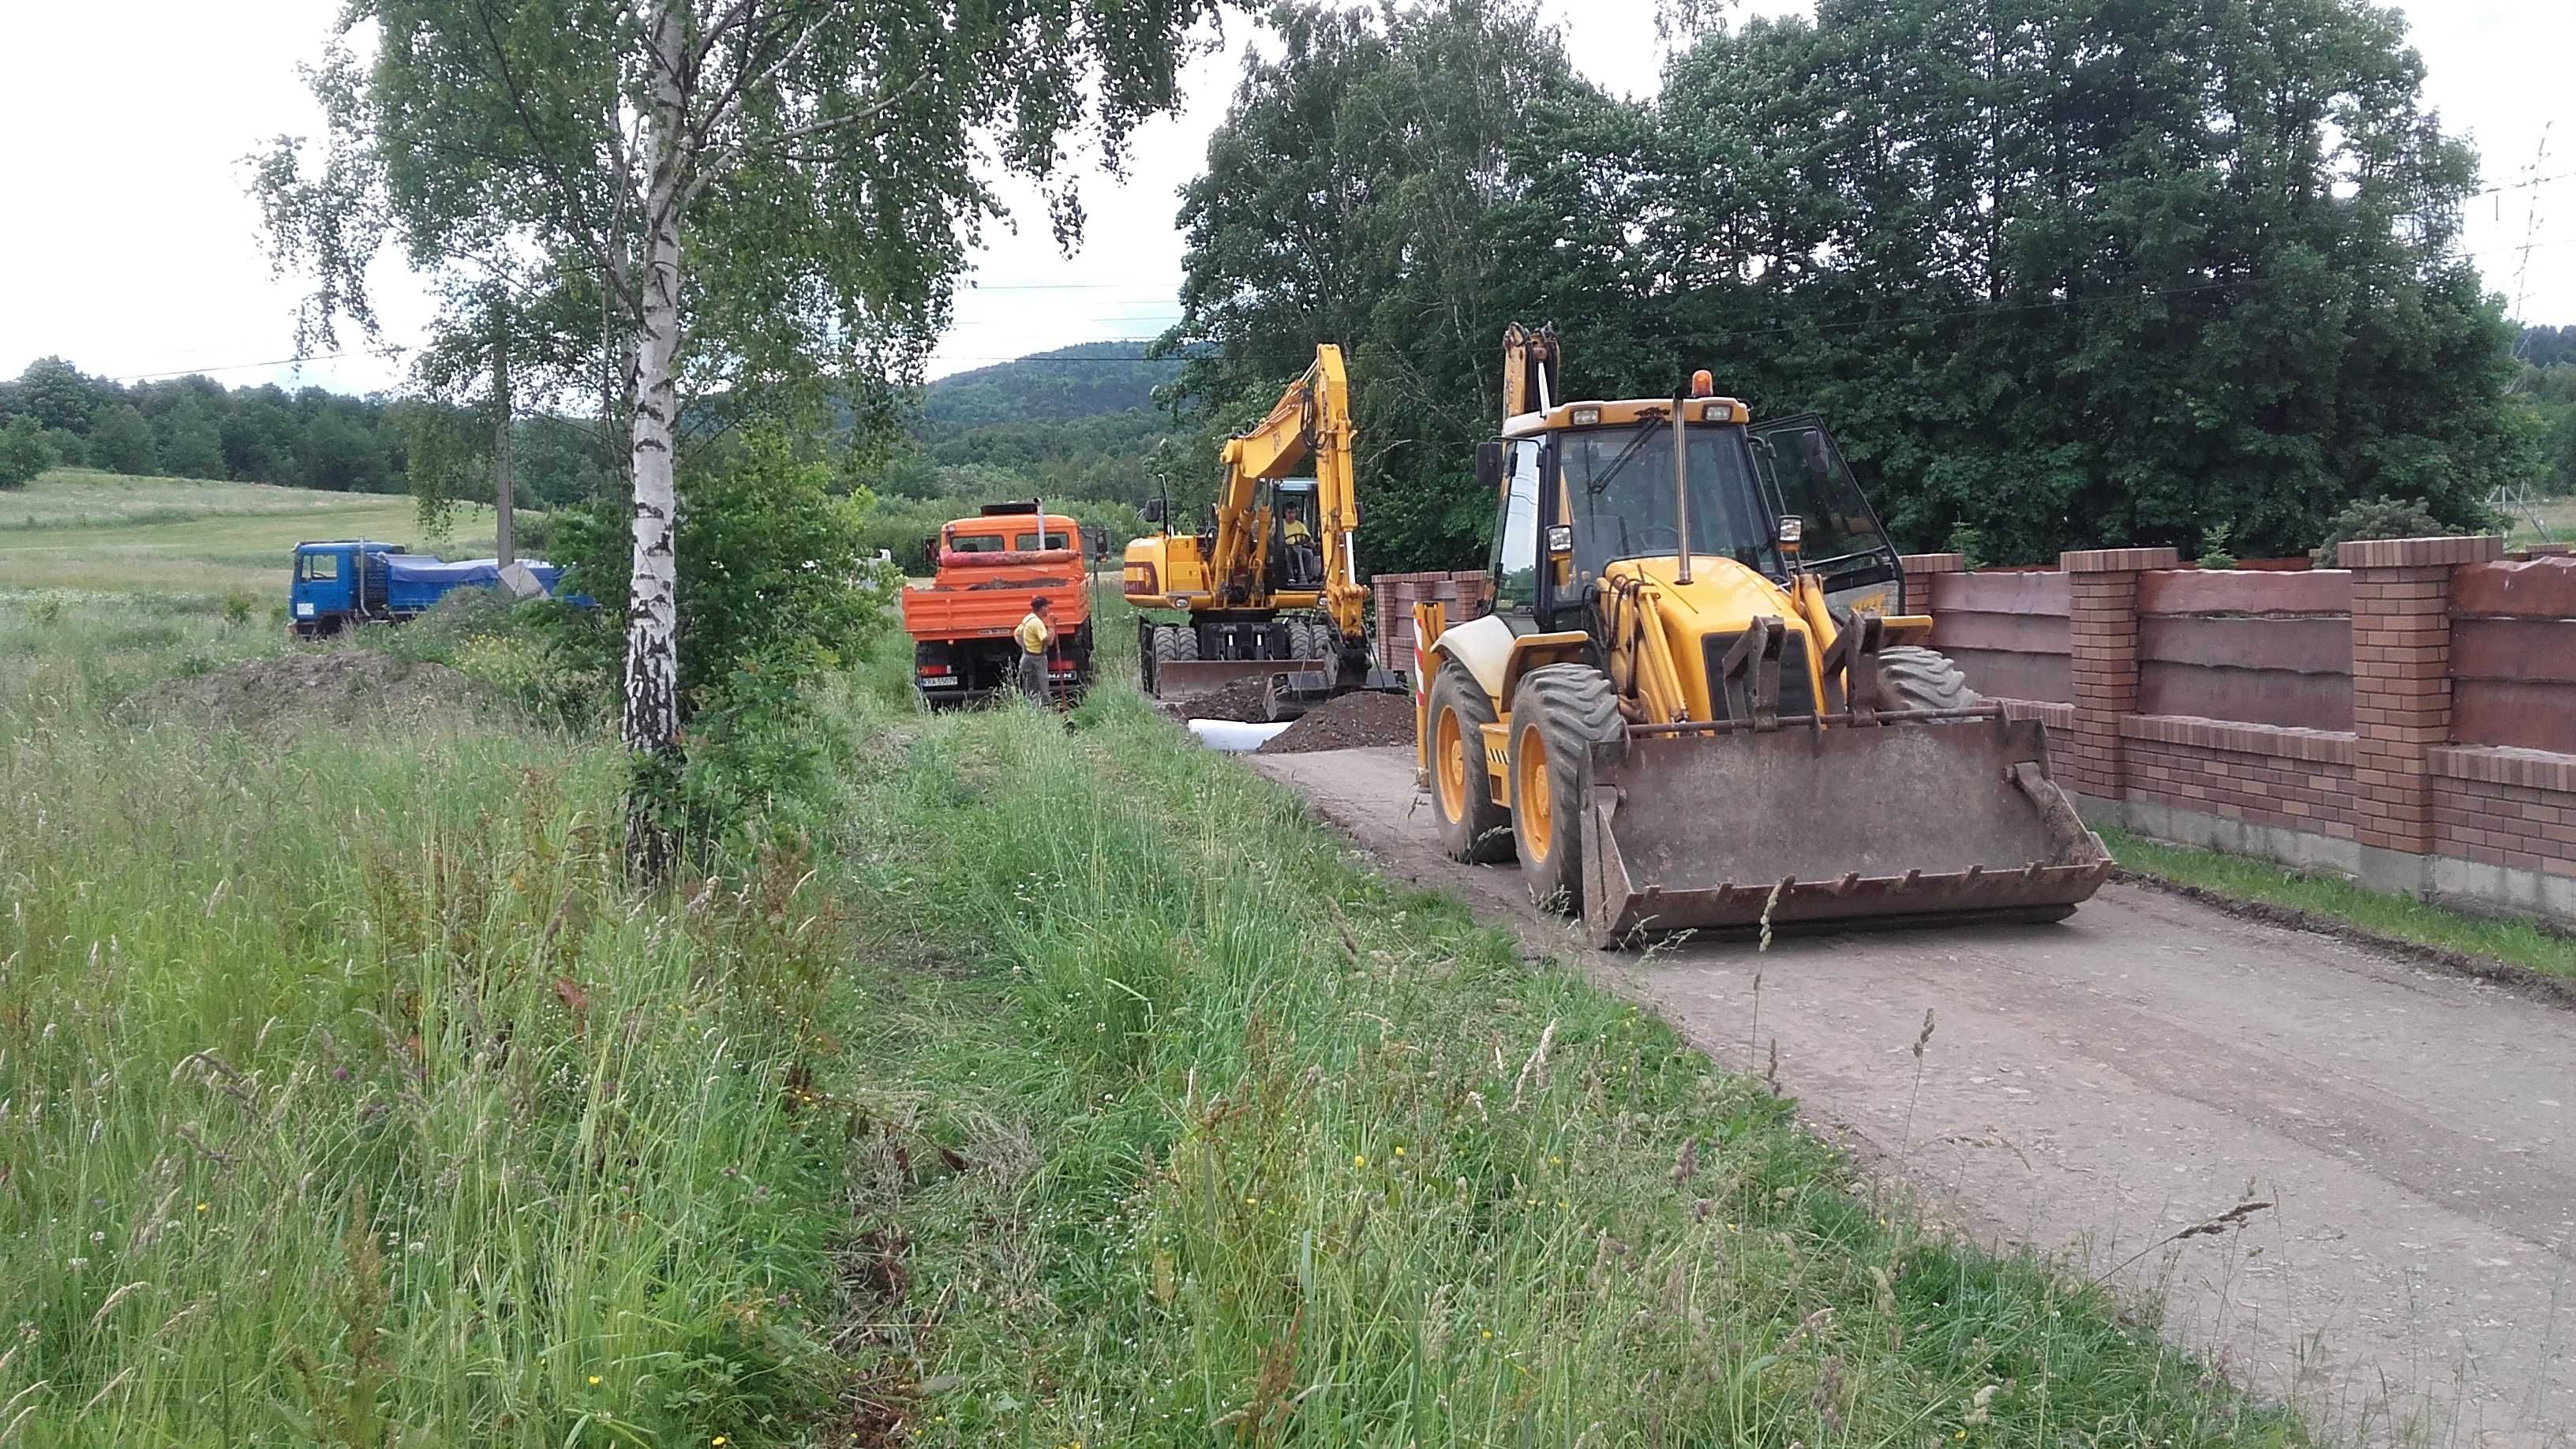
{"x":1969,"y":544}
{"x":24,"y":453}
{"x":770,"y":560}
{"x":2378,"y":518}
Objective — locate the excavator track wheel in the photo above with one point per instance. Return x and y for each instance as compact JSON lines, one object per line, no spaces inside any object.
{"x":1559,"y":713}
{"x":1473,"y":827}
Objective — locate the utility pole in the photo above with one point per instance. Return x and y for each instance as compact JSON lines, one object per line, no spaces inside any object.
{"x":506,"y":543}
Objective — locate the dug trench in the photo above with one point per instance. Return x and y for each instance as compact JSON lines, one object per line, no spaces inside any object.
{"x":2094,"y":1088}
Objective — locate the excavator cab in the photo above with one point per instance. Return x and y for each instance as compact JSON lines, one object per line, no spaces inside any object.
{"x":1296,"y":560}
{"x":1697,"y":703}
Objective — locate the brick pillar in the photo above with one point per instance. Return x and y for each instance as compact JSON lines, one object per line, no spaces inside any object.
{"x":1920,"y":568}
{"x":2102,"y":632}
{"x":2401,"y":695}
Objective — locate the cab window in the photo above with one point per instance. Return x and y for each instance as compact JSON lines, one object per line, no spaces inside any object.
{"x":1515,"y":557}
{"x":1055,"y":538}
{"x":1817,"y":486}
{"x":317,"y":566}
{"x":976,"y":543}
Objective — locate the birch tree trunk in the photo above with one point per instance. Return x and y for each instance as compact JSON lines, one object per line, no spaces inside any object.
{"x":652,"y":721}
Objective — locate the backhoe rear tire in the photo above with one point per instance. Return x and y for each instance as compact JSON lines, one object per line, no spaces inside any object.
{"x":1559,"y":712}
{"x":1912,"y":677}
{"x":1473,"y":826}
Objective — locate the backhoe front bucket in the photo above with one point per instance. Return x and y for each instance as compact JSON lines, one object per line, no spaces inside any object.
{"x":1885,"y":824}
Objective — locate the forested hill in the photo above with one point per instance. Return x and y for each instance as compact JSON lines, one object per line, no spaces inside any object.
{"x":1081,"y":381}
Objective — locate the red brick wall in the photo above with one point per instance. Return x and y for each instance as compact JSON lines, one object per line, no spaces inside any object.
{"x":2507,"y":807}
{"x":2295,"y":779}
{"x":2407,"y":713}
{"x":1467,"y":592}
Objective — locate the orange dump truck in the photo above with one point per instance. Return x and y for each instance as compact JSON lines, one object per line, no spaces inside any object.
{"x":989,"y":568}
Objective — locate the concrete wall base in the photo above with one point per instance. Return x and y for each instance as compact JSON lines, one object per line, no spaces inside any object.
{"x":2401,"y":871}
{"x":2477,"y":886}
{"x":2300,"y":849}
{"x":2466,"y":884}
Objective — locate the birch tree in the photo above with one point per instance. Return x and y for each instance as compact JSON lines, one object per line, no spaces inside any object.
{"x":761,"y":192}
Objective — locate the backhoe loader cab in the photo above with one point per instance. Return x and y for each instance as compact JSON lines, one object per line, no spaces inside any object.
{"x":1697,"y":701}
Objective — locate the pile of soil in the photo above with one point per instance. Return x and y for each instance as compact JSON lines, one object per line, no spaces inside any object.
{"x":1348,"y":723}
{"x":1240,"y":702}
{"x":309,"y":686}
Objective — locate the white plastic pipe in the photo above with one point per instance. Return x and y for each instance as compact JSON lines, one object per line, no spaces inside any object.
{"x":1232,"y":737}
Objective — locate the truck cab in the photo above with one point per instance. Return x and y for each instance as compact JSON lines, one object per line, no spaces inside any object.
{"x":336,"y":582}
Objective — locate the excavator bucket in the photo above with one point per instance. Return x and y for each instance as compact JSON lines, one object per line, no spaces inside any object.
{"x":1893,"y":821}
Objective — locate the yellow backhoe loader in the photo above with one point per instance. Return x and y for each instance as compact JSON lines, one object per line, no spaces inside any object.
{"x":1271,"y":584}
{"x":1698,"y":701}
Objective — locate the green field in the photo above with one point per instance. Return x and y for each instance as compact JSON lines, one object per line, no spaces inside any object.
{"x":91,"y":532}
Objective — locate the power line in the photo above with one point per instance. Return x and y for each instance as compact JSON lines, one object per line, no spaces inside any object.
{"x":1070,"y":287}
{"x":2524,"y":184}
{"x":233,"y":367}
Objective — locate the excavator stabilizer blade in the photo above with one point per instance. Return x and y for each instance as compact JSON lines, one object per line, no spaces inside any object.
{"x":1838,"y":829}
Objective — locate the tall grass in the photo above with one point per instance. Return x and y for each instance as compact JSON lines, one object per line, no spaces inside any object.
{"x":1075,"y":1088}
{"x":347,"y":1096}
{"x":1258,"y":1148}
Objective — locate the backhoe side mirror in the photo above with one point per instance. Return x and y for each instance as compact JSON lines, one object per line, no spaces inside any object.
{"x":1489,"y":465}
{"x":1153,"y":510}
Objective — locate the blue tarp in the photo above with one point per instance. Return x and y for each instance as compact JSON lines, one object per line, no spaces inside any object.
{"x":414,"y":581}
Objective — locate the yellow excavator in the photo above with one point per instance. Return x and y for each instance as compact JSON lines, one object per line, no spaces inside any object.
{"x":1270,"y":584}
{"x":1698,"y":702}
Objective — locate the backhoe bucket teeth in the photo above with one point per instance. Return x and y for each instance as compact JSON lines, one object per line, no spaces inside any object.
{"x":1845,"y":829}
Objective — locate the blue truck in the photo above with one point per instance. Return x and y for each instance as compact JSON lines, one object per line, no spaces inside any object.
{"x":340,"y":582}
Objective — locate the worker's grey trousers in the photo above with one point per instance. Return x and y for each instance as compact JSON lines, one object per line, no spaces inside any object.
{"x":1033,"y":675}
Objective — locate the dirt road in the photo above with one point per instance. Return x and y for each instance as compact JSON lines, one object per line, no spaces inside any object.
{"x":2094,"y":1086}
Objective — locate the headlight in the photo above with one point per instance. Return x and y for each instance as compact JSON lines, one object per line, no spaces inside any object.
{"x":1586,"y":417}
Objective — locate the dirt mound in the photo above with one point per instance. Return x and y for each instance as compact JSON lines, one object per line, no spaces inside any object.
{"x":1240,"y":701}
{"x":1347,"y":723}
{"x":339,"y":686}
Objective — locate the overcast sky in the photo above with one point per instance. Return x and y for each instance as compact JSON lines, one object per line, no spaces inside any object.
{"x":130,"y":246}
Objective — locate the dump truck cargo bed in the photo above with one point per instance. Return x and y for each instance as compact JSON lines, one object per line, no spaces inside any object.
{"x":1878,"y":825}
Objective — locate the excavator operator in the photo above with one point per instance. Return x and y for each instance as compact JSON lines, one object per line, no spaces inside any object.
{"x":1305,"y":560}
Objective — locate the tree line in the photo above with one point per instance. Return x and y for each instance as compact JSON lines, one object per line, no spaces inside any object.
{"x":2058,"y":275}
{"x":56,"y":416}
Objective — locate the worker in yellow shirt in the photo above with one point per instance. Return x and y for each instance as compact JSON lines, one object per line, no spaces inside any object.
{"x":1034,"y":634}
{"x":1305,"y":561}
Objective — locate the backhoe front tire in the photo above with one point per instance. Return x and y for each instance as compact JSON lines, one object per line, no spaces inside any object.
{"x":1473,"y":827}
{"x":1912,"y":677}
{"x":1559,"y":712}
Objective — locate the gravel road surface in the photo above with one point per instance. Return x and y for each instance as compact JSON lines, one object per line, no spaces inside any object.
{"x":2094,"y":1086}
